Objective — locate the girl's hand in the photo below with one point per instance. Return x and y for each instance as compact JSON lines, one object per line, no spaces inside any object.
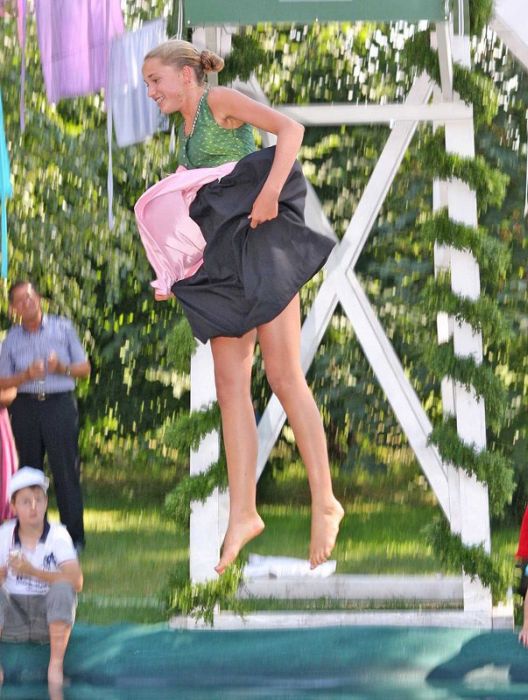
{"x":162,"y":297}
{"x":523,"y":637}
{"x":265,"y":207}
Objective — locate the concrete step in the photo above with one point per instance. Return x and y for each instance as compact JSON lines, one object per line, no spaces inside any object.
{"x":357,"y":587}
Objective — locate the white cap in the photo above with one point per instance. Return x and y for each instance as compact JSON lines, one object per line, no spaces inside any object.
{"x":27,"y":476}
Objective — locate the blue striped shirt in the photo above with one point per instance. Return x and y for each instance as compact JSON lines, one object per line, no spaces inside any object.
{"x":21,"y":348}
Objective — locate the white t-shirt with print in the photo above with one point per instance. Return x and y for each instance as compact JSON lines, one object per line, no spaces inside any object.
{"x":54,"y":548}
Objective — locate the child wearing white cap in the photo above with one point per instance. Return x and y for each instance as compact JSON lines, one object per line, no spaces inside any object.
{"x":39,"y":572}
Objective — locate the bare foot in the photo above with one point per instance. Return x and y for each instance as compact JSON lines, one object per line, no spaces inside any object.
{"x":55,"y":674}
{"x":238,"y":534}
{"x":325,"y":526}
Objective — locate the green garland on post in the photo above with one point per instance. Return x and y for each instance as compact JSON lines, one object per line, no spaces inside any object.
{"x":489,"y":467}
{"x":474,"y":560}
{"x":474,"y":88}
{"x":492,"y":255}
{"x":489,"y":183}
{"x":195,"y":488}
{"x":442,"y":361}
{"x":201,"y":600}
{"x":188,"y":430}
{"x":483,"y":314}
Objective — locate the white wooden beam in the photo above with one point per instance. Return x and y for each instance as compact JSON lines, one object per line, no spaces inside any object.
{"x":396,"y":385}
{"x":206,"y":518}
{"x":445,"y":60}
{"x":208,"y":521}
{"x":341,"y":284}
{"x":512,"y":41}
{"x":347,"y":114}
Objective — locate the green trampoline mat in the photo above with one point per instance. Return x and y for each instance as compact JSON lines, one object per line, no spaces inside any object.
{"x":143,"y":662}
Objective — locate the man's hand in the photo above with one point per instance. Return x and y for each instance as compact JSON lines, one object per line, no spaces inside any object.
{"x":523,"y":636}
{"x":3,"y":574}
{"x":36,"y":370}
{"x":53,"y":363}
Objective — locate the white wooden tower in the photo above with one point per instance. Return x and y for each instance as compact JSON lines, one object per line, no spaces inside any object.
{"x":463,"y":499}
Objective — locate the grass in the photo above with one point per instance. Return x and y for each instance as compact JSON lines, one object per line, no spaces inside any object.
{"x":129,"y":556}
{"x":375,"y":537}
{"x":133,"y":548}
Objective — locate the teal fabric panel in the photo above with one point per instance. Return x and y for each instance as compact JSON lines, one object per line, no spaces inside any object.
{"x":144,"y":662}
{"x":200,"y":12}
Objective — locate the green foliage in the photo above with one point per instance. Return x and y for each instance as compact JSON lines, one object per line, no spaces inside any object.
{"x":473,"y":87}
{"x":187,"y":430}
{"x":492,"y":255}
{"x":474,"y":560}
{"x":194,"y":488}
{"x":480,"y":14}
{"x":201,"y":600}
{"x":180,"y":345}
{"x":489,"y":183}
{"x":443,"y":362}
{"x":245,"y":57}
{"x":491,"y":468}
{"x":482,"y":314}
{"x":418,"y":56}
{"x":478,"y":91}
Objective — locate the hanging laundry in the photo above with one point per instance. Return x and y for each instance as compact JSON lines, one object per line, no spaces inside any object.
{"x":74,"y":41}
{"x":5,"y":191}
{"x":134,"y":115}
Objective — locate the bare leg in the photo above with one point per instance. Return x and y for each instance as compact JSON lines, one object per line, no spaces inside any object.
{"x":280,"y":344}
{"x":55,"y":692}
{"x":59,"y":633}
{"x":233,"y":360}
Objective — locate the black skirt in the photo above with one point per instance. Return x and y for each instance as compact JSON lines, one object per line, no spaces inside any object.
{"x":249,"y":275}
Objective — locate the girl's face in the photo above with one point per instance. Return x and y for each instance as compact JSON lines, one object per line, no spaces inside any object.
{"x":166,"y":85}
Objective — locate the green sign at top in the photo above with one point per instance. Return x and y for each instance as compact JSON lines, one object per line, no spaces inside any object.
{"x":202,"y":12}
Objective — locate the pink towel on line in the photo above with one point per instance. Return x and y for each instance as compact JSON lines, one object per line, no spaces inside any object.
{"x":173,"y":242}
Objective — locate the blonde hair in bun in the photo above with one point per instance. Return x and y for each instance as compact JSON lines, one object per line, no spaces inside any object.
{"x":179,"y":53}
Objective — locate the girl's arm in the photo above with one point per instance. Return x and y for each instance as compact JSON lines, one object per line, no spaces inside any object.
{"x":231,"y":109}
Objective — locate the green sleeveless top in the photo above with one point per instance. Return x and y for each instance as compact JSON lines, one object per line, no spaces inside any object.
{"x":209,"y":144}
